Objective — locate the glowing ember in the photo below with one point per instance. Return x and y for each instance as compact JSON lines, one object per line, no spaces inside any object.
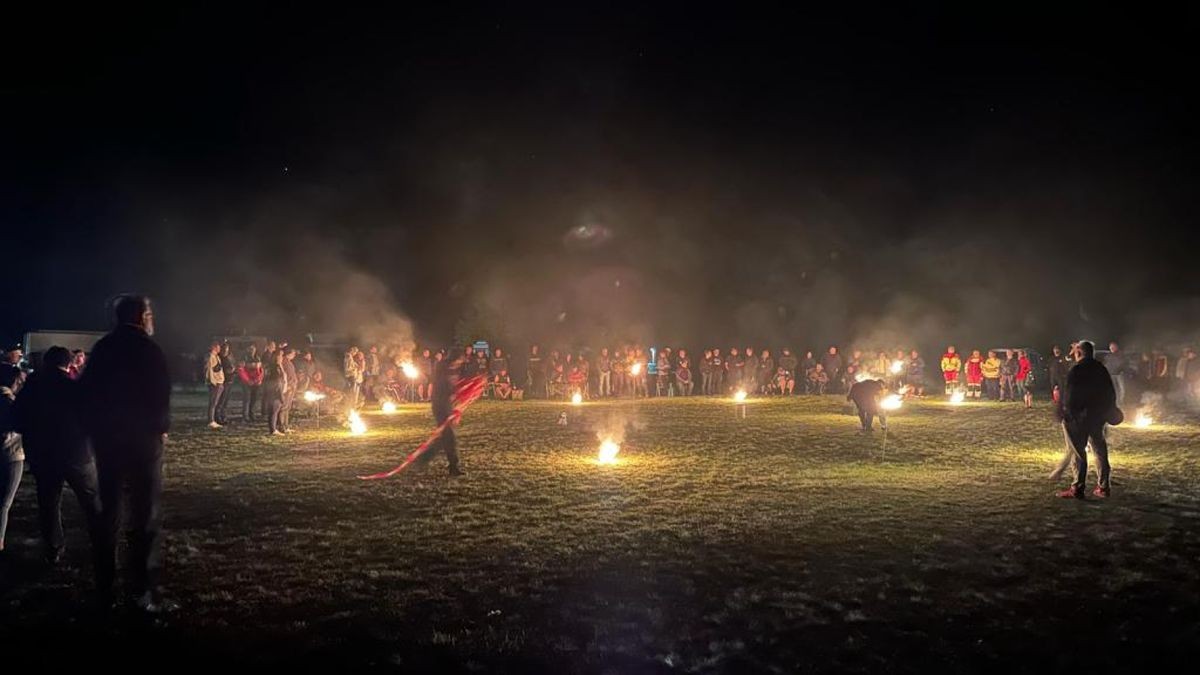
{"x":312,"y":396}
{"x":608,"y":452}
{"x":897,"y":367}
{"x":891,"y":402}
{"x":635,"y":369}
{"x":576,"y":398}
{"x":357,"y":426}
{"x":957,"y":397}
{"x":410,"y":371}
{"x":904,"y":391}
{"x":388,"y":407}
{"x":1143,"y":420}
{"x":740,"y":396}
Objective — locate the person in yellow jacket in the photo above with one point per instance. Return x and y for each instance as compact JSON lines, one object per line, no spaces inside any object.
{"x":951,"y":364}
{"x":991,"y":377}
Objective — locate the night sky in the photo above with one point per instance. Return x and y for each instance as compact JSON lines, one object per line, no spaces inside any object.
{"x":675,"y":175}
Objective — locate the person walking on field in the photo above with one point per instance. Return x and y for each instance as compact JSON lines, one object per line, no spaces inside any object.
{"x":1088,"y":403}
{"x":47,"y":413}
{"x":126,"y":392}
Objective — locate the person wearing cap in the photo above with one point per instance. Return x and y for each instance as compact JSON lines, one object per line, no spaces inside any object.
{"x":1088,"y":403}
{"x":126,"y":393}
{"x":47,"y":415}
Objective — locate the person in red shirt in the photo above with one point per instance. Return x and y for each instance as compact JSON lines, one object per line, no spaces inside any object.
{"x":975,"y":375}
{"x":1024,"y":368}
{"x":576,"y":380}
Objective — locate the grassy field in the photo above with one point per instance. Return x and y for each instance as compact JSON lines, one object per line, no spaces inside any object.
{"x":782,"y":542}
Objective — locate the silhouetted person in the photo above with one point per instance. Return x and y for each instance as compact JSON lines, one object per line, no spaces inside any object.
{"x":56,"y":448}
{"x":1088,"y":403}
{"x":127,"y":413}
{"x":275,"y":386}
{"x":866,"y":396}
{"x":445,"y":377}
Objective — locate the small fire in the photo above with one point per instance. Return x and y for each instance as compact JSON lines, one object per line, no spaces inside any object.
{"x":312,"y":396}
{"x":1143,"y":420}
{"x":410,"y":371}
{"x":957,"y":397}
{"x":905,"y":390}
{"x":357,"y":426}
{"x":635,"y":369}
{"x":897,"y":367}
{"x":739,"y":396}
{"x":388,"y":407}
{"x":891,"y":402}
{"x":608,"y":452}
{"x":576,"y":398}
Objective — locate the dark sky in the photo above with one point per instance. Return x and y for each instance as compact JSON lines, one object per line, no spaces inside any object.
{"x":668,"y":174}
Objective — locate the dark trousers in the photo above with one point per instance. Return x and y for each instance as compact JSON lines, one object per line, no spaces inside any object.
{"x":866,"y":416}
{"x":130,"y":468}
{"x":991,"y":388}
{"x":1079,"y":433}
{"x":82,"y":480}
{"x":214,"y":397}
{"x":274,"y":413}
{"x":223,"y":401}
{"x":250,"y":391}
{"x":285,"y":412}
{"x":447,"y":443}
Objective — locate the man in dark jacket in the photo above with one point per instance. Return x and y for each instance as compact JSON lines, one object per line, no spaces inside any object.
{"x":866,"y":396}
{"x":126,"y":413}
{"x":1088,"y":403}
{"x":1058,"y":366}
{"x":833,"y":365}
{"x":47,"y":411}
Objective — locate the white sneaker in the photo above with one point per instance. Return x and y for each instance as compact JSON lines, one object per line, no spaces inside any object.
{"x":214,"y":425}
{"x":277,"y":433}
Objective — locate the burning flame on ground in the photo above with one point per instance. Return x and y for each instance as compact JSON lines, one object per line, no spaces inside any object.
{"x":1143,"y":420}
{"x":608,"y":452}
{"x":312,"y":396}
{"x":357,"y":426}
{"x":904,"y":390}
{"x":740,"y":396}
{"x":410,"y":371}
{"x":897,"y":367}
{"x":576,"y":398}
{"x":891,"y":402}
{"x":388,"y":407}
{"x":957,"y":397}
{"x":635,"y":369}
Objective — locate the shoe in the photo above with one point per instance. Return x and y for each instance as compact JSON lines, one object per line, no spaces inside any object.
{"x":455,"y":472}
{"x":1101,"y":492}
{"x":1070,"y":493}
{"x":276,"y":433}
{"x":214,"y":425}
